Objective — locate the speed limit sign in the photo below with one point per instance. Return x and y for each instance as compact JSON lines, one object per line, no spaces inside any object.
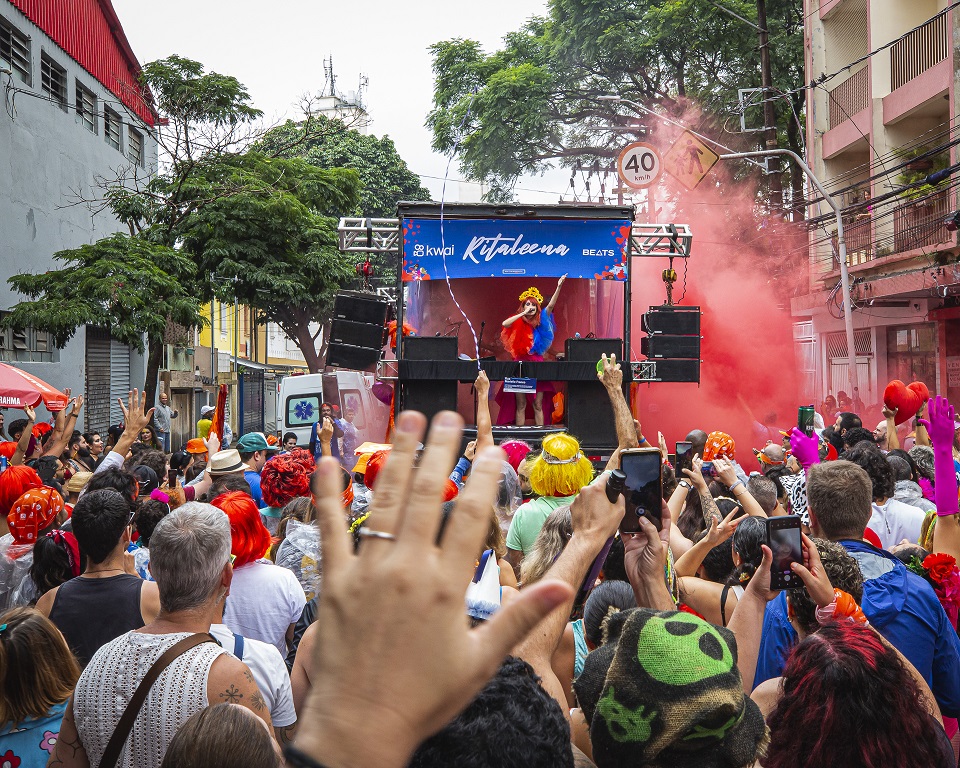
{"x":638,"y":165}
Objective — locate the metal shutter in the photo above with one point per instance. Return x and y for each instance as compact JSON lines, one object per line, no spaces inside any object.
{"x":251,"y":406}
{"x":119,"y":378}
{"x":96,"y":408}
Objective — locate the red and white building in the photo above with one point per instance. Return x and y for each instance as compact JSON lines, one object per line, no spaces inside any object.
{"x":71,"y":111}
{"x":883,"y":113}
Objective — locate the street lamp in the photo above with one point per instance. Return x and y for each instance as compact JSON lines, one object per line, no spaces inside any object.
{"x":841,"y":242}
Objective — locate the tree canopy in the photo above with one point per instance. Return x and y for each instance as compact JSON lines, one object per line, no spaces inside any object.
{"x":535,"y":102}
{"x":269,"y":245}
{"x":384,"y":177}
{"x":125,"y":283}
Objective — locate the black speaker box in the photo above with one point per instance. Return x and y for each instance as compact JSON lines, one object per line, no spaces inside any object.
{"x":430,"y":348}
{"x":590,"y":415}
{"x":428,"y":396}
{"x":352,"y":357}
{"x":660,"y":346}
{"x":668,"y":370}
{"x":356,"y":334}
{"x":590,"y":350}
{"x":673,"y":321}
{"x":360,"y":307}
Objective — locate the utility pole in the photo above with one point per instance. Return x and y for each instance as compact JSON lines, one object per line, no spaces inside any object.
{"x":769,"y":112}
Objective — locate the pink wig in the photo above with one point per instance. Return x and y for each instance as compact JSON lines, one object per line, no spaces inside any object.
{"x":516,"y":451}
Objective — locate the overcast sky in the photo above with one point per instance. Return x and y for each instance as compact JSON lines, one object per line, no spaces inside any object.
{"x":277,"y":50}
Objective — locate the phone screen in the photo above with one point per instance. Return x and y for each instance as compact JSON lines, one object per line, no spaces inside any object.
{"x":171,"y":478}
{"x":642,"y":488}
{"x":783,"y":537}
{"x":684,"y":459}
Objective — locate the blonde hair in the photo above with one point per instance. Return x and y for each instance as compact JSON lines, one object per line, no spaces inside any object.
{"x":564,"y":479}
{"x":553,"y":537}
{"x":37,"y":669}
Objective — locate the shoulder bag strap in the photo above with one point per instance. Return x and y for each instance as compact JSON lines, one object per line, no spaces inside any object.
{"x":723,"y":603}
{"x":112,"y":753}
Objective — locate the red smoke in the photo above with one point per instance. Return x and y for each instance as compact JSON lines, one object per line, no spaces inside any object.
{"x":747,"y":350}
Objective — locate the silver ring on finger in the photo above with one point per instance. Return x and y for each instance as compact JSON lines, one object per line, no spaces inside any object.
{"x":369,"y":533}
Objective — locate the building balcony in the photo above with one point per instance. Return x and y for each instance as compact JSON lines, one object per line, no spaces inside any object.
{"x":918,"y":51}
{"x":850,"y":97}
{"x":920,"y":73}
{"x":920,"y":223}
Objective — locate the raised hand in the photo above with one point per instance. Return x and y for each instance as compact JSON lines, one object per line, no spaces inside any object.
{"x":404,"y":592}
{"x":482,"y":384}
{"x":77,"y":405}
{"x":940,"y":422}
{"x":611,"y":376}
{"x":805,"y":449}
{"x":31,"y":413}
{"x":136,"y":415}
{"x":813,"y":575}
{"x":725,"y":470}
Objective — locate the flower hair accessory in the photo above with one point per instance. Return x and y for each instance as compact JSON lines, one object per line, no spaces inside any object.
{"x":531,"y":293}
{"x":549,"y":458}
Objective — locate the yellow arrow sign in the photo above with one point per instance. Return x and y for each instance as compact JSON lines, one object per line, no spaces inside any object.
{"x":689,"y":160}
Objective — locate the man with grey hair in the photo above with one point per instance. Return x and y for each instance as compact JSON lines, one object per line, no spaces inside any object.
{"x":190,"y":560}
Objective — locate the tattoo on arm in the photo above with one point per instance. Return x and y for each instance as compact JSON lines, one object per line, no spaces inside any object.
{"x":709,"y":507}
{"x":257,"y":701}
{"x":232,"y":695}
{"x":285,"y":735}
{"x":246,"y":674}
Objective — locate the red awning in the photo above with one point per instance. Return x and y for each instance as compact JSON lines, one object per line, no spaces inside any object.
{"x":19,"y":388}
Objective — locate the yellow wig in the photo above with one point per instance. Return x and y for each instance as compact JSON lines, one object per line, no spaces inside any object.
{"x":560,"y":469}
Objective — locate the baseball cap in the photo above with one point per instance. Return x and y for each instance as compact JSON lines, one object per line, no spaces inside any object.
{"x":255,"y":441}
{"x":206,"y":410}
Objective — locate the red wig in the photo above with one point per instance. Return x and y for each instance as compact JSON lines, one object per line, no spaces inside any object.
{"x":303,"y":457}
{"x":8,"y":448}
{"x":15,"y":481}
{"x":516,"y":451}
{"x":283,"y":479}
{"x":848,"y":700}
{"x":374,"y":465}
{"x":250,"y":537}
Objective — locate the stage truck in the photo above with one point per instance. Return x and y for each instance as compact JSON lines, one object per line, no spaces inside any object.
{"x":533,"y":295}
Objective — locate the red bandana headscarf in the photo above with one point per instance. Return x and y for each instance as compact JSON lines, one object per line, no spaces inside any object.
{"x":719,"y":445}
{"x":33,"y":512}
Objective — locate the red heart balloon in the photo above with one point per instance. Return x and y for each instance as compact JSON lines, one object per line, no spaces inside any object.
{"x":906,"y":400}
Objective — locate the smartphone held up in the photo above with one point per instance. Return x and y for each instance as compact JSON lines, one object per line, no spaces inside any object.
{"x":784,"y":540}
{"x":642,"y":490}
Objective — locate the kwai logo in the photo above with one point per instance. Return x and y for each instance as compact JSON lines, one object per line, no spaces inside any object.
{"x":420,"y":251}
{"x":498,"y":245}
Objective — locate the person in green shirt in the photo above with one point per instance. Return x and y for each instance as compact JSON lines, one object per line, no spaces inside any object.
{"x":557,"y":475}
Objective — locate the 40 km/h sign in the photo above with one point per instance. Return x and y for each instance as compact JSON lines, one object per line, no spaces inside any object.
{"x":638,"y":165}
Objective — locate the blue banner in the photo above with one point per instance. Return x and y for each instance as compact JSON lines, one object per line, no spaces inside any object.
{"x":593,"y":248}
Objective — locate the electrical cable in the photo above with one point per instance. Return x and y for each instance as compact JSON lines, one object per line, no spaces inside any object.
{"x":443,"y":245}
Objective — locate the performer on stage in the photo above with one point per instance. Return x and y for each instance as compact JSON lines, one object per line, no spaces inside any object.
{"x":527,"y":335}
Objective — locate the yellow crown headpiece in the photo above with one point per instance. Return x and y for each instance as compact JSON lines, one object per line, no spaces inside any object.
{"x":531,"y":293}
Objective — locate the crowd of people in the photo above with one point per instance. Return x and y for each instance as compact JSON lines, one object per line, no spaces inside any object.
{"x":464,"y":603}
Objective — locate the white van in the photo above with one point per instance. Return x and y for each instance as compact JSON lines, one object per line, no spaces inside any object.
{"x":298,"y":404}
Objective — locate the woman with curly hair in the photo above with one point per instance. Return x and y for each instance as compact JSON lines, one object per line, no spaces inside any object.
{"x":892,"y":520}
{"x":282,"y":479}
{"x":265,"y":600}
